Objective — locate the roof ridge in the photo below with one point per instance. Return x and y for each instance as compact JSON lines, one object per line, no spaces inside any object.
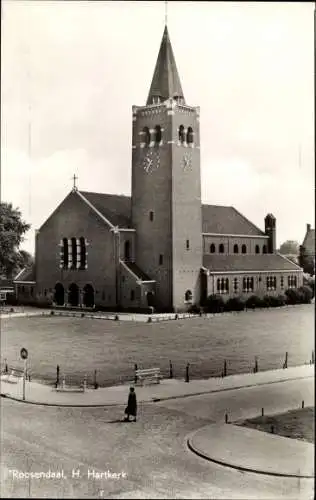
{"x":104,"y":194}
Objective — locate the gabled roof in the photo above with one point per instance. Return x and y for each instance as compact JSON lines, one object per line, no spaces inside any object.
{"x":309,"y":241}
{"x":227,"y":220}
{"x":115,"y":208}
{"x":166,"y":82}
{"x":137,"y":271}
{"x":251,"y":263}
{"x":26,"y":275}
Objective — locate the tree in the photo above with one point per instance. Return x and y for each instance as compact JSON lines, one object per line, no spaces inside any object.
{"x":12,"y":229}
{"x":289,"y":247}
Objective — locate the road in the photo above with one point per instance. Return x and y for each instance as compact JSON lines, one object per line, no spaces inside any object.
{"x":152,"y":453}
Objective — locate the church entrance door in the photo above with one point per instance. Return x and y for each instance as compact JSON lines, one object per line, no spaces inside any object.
{"x":59,"y":296}
{"x":73,"y":295}
{"x":88,"y":296}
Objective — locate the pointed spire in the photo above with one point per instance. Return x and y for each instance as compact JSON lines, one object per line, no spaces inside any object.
{"x":166,"y":82}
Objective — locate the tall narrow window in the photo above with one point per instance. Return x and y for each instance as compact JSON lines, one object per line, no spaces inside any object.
{"x":212,"y":248}
{"x":282,"y":282}
{"x":158,"y":135}
{"x":235,"y":285}
{"x":243,"y":249}
{"x":160,"y":259}
{"x":190,"y":135}
{"x":264,"y":249}
{"x":181,"y":134}
{"x":188,"y":296}
{"x":132,"y":294}
{"x":188,"y":244}
{"x":257,"y":249}
{"x":127,"y":247}
{"x":151,"y":215}
{"x":221,"y":248}
{"x":83,"y":256}
{"x":236,"y":249}
{"x":146,"y":135}
{"x":74,"y":253}
{"x":65,"y":253}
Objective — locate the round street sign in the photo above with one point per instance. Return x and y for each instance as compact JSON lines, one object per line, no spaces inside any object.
{"x":24,"y":353}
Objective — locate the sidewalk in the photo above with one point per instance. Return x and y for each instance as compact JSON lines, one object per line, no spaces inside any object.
{"x":37,"y":393}
{"x":253,"y":451}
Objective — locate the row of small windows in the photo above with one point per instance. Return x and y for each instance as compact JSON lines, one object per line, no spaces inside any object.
{"x":222,"y":284}
{"x":73,"y":254}
{"x":184,"y":135}
{"x":221,"y":248}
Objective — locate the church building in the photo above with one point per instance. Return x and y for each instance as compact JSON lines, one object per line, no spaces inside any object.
{"x":161,"y":246}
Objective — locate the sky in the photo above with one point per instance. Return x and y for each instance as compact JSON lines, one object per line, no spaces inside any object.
{"x":71,"y":72}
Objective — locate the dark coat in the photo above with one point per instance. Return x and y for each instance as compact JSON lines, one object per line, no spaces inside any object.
{"x":131,"y":408}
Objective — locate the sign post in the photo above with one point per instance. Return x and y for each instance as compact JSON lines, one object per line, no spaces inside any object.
{"x":24,"y":355}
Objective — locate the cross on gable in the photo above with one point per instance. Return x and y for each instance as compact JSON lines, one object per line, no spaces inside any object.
{"x":74,"y":178}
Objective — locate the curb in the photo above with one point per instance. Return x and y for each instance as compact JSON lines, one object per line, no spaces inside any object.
{"x":241,"y":468}
{"x":153,"y":400}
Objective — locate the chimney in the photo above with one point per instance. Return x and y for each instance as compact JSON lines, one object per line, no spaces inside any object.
{"x":308,"y":227}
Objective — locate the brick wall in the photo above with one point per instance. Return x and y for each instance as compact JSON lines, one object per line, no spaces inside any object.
{"x":73,"y":218}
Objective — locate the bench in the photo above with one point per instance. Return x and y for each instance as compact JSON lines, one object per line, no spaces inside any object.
{"x":69,"y":388}
{"x":151,"y":375}
{"x":12,"y":378}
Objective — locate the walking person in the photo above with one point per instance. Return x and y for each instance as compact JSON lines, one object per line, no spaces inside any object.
{"x":131,"y":409}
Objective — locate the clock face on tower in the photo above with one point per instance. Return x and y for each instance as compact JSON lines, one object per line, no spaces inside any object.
{"x":151,"y":161}
{"x":187,"y":161}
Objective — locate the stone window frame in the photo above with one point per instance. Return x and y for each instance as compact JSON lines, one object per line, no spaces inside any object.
{"x":248,"y":284}
{"x":271,"y":283}
{"x":222,"y":286}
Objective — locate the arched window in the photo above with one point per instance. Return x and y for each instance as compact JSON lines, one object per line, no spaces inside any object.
{"x":158,"y":135}
{"x":188,"y":296}
{"x":127,"y":246}
{"x":236,"y":249}
{"x":257,"y":249}
{"x":59,"y":295}
{"x":243,"y":249}
{"x":73,"y":295}
{"x":212,"y":248}
{"x":264,"y":249}
{"x":65,"y":253}
{"x":146,"y":135}
{"x":88,"y":296}
{"x":190,"y":135}
{"x":74,"y":253}
{"x":181,"y":134}
{"x":221,"y":248}
{"x":83,"y":253}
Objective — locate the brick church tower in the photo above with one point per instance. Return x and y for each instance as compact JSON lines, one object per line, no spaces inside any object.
{"x":166,"y":187}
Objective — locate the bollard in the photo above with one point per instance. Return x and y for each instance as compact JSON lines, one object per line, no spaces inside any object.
{"x":95,"y":380}
{"x":226,"y":418}
{"x":170,"y":370}
{"x":286,"y":360}
{"x":187,"y":378}
{"x":225,"y":369}
{"x":135,"y":368}
{"x":272,"y":429}
{"x":303,"y":404}
{"x":57,"y":376}
{"x":6,"y":369}
{"x":256,"y":365}
{"x":262,"y":412}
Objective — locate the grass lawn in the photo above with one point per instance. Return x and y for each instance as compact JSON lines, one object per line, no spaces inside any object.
{"x":82,"y":345}
{"x":296,"y":424}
